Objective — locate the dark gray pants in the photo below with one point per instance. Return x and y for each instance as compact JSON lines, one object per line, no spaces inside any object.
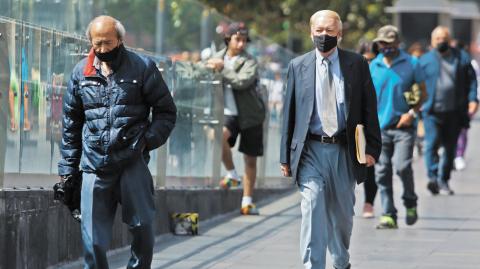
{"x":441,"y":130}
{"x":397,"y":149}
{"x":327,"y":187}
{"x":133,"y":188}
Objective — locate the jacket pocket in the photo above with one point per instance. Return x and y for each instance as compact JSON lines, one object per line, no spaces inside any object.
{"x":128,"y":89}
{"x":293,"y":145}
{"x":93,"y":141}
{"x":133,"y":137}
{"x":89,"y":91}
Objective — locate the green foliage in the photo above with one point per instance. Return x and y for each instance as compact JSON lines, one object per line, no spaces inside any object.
{"x":286,"y":20}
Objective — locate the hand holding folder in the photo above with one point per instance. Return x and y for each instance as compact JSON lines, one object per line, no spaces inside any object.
{"x":360,"y":144}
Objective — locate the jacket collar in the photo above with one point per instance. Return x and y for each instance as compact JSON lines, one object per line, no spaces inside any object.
{"x":242,"y":57}
{"x":90,"y":71}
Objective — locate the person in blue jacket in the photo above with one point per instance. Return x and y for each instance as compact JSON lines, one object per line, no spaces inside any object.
{"x":451,"y":93}
{"x":394,"y":72}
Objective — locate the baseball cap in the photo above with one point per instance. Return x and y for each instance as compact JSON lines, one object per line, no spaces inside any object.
{"x":388,"y":34}
{"x":237,"y":28}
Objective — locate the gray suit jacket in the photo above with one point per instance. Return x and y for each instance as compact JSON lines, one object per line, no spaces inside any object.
{"x":360,"y":101}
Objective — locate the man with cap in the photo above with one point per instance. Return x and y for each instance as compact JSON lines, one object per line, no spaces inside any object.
{"x":244,"y":111}
{"x":452,"y":95}
{"x":394,"y":72}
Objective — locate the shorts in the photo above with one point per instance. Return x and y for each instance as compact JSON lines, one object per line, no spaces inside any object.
{"x":251,"y":139}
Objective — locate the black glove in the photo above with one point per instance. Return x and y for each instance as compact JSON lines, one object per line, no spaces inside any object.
{"x":68,"y":192}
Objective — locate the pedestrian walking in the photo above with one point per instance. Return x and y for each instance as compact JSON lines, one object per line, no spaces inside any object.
{"x":107,"y":131}
{"x":452,"y":92}
{"x":394,"y":72}
{"x":329,"y":92}
{"x":244,"y":111}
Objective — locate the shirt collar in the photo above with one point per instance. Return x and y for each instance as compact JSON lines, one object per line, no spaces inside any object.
{"x":332,"y":57}
{"x":97,"y":63}
{"x":402,"y":56}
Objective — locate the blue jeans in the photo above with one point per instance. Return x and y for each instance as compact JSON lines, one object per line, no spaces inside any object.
{"x":133,"y":188}
{"x":327,"y":187}
{"x":441,"y":130}
{"x":397,"y":149}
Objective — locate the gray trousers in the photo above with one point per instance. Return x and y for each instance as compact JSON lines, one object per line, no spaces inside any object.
{"x":397,"y":149}
{"x":327,"y":187}
{"x":133,"y":188}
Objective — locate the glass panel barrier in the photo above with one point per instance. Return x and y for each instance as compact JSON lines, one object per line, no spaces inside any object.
{"x":37,"y":62}
{"x":14,"y":128}
{"x":192,"y":146}
{"x":5,"y":72}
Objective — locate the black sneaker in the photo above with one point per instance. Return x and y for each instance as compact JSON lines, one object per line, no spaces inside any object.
{"x":412,"y":216}
{"x":387,"y":222}
{"x":348,"y":267}
{"x":432,"y":186}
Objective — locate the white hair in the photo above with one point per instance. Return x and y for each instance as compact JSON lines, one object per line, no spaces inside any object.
{"x":118,"y":26}
{"x":327,"y":13}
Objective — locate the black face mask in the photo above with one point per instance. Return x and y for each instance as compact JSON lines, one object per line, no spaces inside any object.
{"x":443,"y":47}
{"x":325,"y":43}
{"x":388,"y":51}
{"x":108,"y":56}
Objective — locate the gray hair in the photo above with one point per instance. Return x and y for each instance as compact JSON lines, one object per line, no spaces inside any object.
{"x":118,"y":26}
{"x":440,"y":28}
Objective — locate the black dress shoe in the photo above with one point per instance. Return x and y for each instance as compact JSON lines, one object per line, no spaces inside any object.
{"x":348,"y":267}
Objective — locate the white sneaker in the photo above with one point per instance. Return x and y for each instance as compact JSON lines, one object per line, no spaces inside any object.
{"x":445,"y":190}
{"x":460,"y":163}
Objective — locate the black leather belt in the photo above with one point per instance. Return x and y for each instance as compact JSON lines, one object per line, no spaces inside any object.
{"x":337,"y":139}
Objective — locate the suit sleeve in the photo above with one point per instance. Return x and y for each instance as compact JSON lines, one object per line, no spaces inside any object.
{"x":73,"y":120}
{"x":370,"y":116}
{"x":164,"y":111}
{"x":288,"y":117}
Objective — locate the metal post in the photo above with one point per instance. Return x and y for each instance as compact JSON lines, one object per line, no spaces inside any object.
{"x":205,"y":29}
{"x":159,"y":36}
{"x":217,"y":124}
{"x":161,"y":177}
{"x":3,"y":100}
{"x":262,"y":161}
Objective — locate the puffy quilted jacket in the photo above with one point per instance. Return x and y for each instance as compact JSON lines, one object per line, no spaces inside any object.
{"x":106,"y":120}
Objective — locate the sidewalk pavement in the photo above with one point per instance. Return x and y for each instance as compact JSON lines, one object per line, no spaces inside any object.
{"x":447,"y":235}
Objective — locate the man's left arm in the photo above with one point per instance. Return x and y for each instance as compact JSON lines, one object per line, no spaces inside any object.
{"x":164,"y":111}
{"x":370,"y":116}
{"x":244,"y":78}
{"x":420,"y":77}
{"x":472,"y":90}
{"x":407,"y":119}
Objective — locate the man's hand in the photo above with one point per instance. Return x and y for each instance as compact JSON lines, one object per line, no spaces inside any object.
{"x":406,"y":120}
{"x":472,"y":108}
{"x":370,"y":160}
{"x":286,"y":170}
{"x":215,"y":64}
{"x":64,"y":178}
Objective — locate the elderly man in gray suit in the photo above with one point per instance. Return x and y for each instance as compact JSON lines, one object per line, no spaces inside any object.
{"x":329,"y":93}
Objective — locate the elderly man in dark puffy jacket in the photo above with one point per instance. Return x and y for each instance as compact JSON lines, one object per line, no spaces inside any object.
{"x":107,"y":131}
